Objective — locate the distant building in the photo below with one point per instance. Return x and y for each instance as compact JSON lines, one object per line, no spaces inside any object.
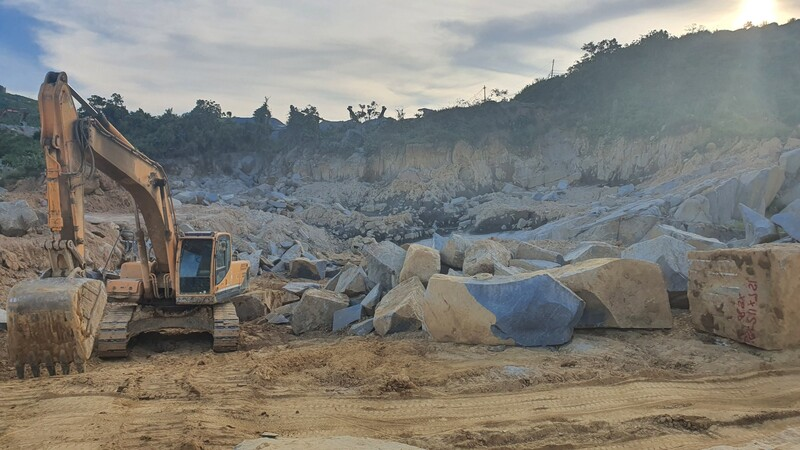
{"x":2,"y":89}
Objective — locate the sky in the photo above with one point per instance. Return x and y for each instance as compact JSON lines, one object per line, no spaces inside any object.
{"x":330,"y":54}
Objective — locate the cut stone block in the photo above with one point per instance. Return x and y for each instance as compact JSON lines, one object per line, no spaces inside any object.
{"x":670,"y":254}
{"x":316,"y":309}
{"x":619,"y":293}
{"x":481,"y":257}
{"x":307,"y":268}
{"x":422,"y":262}
{"x":362,"y":328}
{"x":454,"y":250}
{"x":527,"y":250}
{"x":344,"y":317}
{"x":695,"y":240}
{"x":526,"y":310}
{"x":399,"y":308}
{"x":789,"y":219}
{"x":747,"y":294}
{"x":352,"y":281}
{"x":532,"y":265}
{"x":383,"y":262}
{"x":370,"y":302}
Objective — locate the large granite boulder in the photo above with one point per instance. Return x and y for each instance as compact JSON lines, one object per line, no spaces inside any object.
{"x":399,"y":309}
{"x":757,"y":228}
{"x":481,"y":257}
{"x":696,"y":209}
{"x":747,"y":294}
{"x":532,"y":265}
{"x":422,"y":262}
{"x":619,"y":293}
{"x":758,"y":188}
{"x":670,"y":254}
{"x":592,"y":250}
{"x":454,"y":250}
{"x":383,"y":262}
{"x":16,"y":218}
{"x":316,"y":309}
{"x":526,"y":310}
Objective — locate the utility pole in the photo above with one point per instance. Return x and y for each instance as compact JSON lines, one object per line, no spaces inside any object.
{"x":552,"y":68}
{"x":484,"y":93}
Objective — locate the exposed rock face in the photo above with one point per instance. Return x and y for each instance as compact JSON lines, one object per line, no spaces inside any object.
{"x":618,"y":293}
{"x":592,"y":250}
{"x":316,"y":309}
{"x":481,"y":257}
{"x":454,"y":250}
{"x":16,"y":218}
{"x":748,"y":295}
{"x":399,"y":309}
{"x":383,"y":262}
{"x":670,"y":254}
{"x":526,"y":310}
{"x":422,"y":262}
{"x":758,"y":229}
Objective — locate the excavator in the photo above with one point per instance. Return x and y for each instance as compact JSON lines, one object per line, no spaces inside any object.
{"x":183,"y":281}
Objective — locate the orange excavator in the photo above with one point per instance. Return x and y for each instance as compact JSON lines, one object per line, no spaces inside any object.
{"x":57,"y":320}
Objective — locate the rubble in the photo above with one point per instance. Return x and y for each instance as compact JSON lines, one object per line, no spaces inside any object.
{"x":421,"y":262}
{"x":399,"y":309}
{"x":315,"y":310}
{"x":619,"y":293}
{"x":748,"y":295}
{"x":482,"y":255}
{"x":527,"y":310}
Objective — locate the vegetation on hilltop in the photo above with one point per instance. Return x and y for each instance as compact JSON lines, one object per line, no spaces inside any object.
{"x":742,"y":83}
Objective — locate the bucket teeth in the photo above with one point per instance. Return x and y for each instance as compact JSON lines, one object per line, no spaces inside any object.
{"x":53,"y":321}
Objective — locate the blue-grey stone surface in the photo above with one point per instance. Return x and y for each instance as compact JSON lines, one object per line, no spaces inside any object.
{"x":789,"y":219}
{"x":371,"y":300}
{"x":344,"y":317}
{"x":535,"y":311}
{"x":362,"y":328}
{"x":758,"y":229}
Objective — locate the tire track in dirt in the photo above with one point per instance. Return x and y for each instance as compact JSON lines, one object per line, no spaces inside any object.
{"x":220,"y":408}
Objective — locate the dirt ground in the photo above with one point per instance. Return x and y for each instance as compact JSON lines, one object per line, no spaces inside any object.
{"x":609,"y":388}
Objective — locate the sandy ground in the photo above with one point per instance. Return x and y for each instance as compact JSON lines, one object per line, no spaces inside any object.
{"x":607,"y":388}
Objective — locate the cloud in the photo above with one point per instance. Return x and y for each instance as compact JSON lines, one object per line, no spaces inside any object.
{"x":412,"y":54}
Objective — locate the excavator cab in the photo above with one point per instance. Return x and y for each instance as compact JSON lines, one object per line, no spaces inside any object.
{"x":207,"y":272}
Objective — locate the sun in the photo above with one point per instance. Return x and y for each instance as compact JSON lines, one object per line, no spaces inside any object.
{"x":756,"y":12}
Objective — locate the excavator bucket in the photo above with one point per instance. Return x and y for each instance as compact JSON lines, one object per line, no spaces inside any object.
{"x":53,"y":321}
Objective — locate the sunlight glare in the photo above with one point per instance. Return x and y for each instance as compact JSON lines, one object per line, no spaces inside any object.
{"x":756,"y":11}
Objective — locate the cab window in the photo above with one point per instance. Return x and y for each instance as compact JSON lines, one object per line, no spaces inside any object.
{"x":223,"y":257}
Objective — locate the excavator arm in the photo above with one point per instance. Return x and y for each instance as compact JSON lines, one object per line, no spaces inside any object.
{"x":73,"y":145}
{"x":54,"y":320}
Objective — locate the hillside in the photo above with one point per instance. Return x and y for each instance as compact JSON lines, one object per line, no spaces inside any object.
{"x":20,"y":104}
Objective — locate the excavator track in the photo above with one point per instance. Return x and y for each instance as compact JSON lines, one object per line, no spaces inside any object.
{"x":226,"y":328}
{"x":112,"y":341}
